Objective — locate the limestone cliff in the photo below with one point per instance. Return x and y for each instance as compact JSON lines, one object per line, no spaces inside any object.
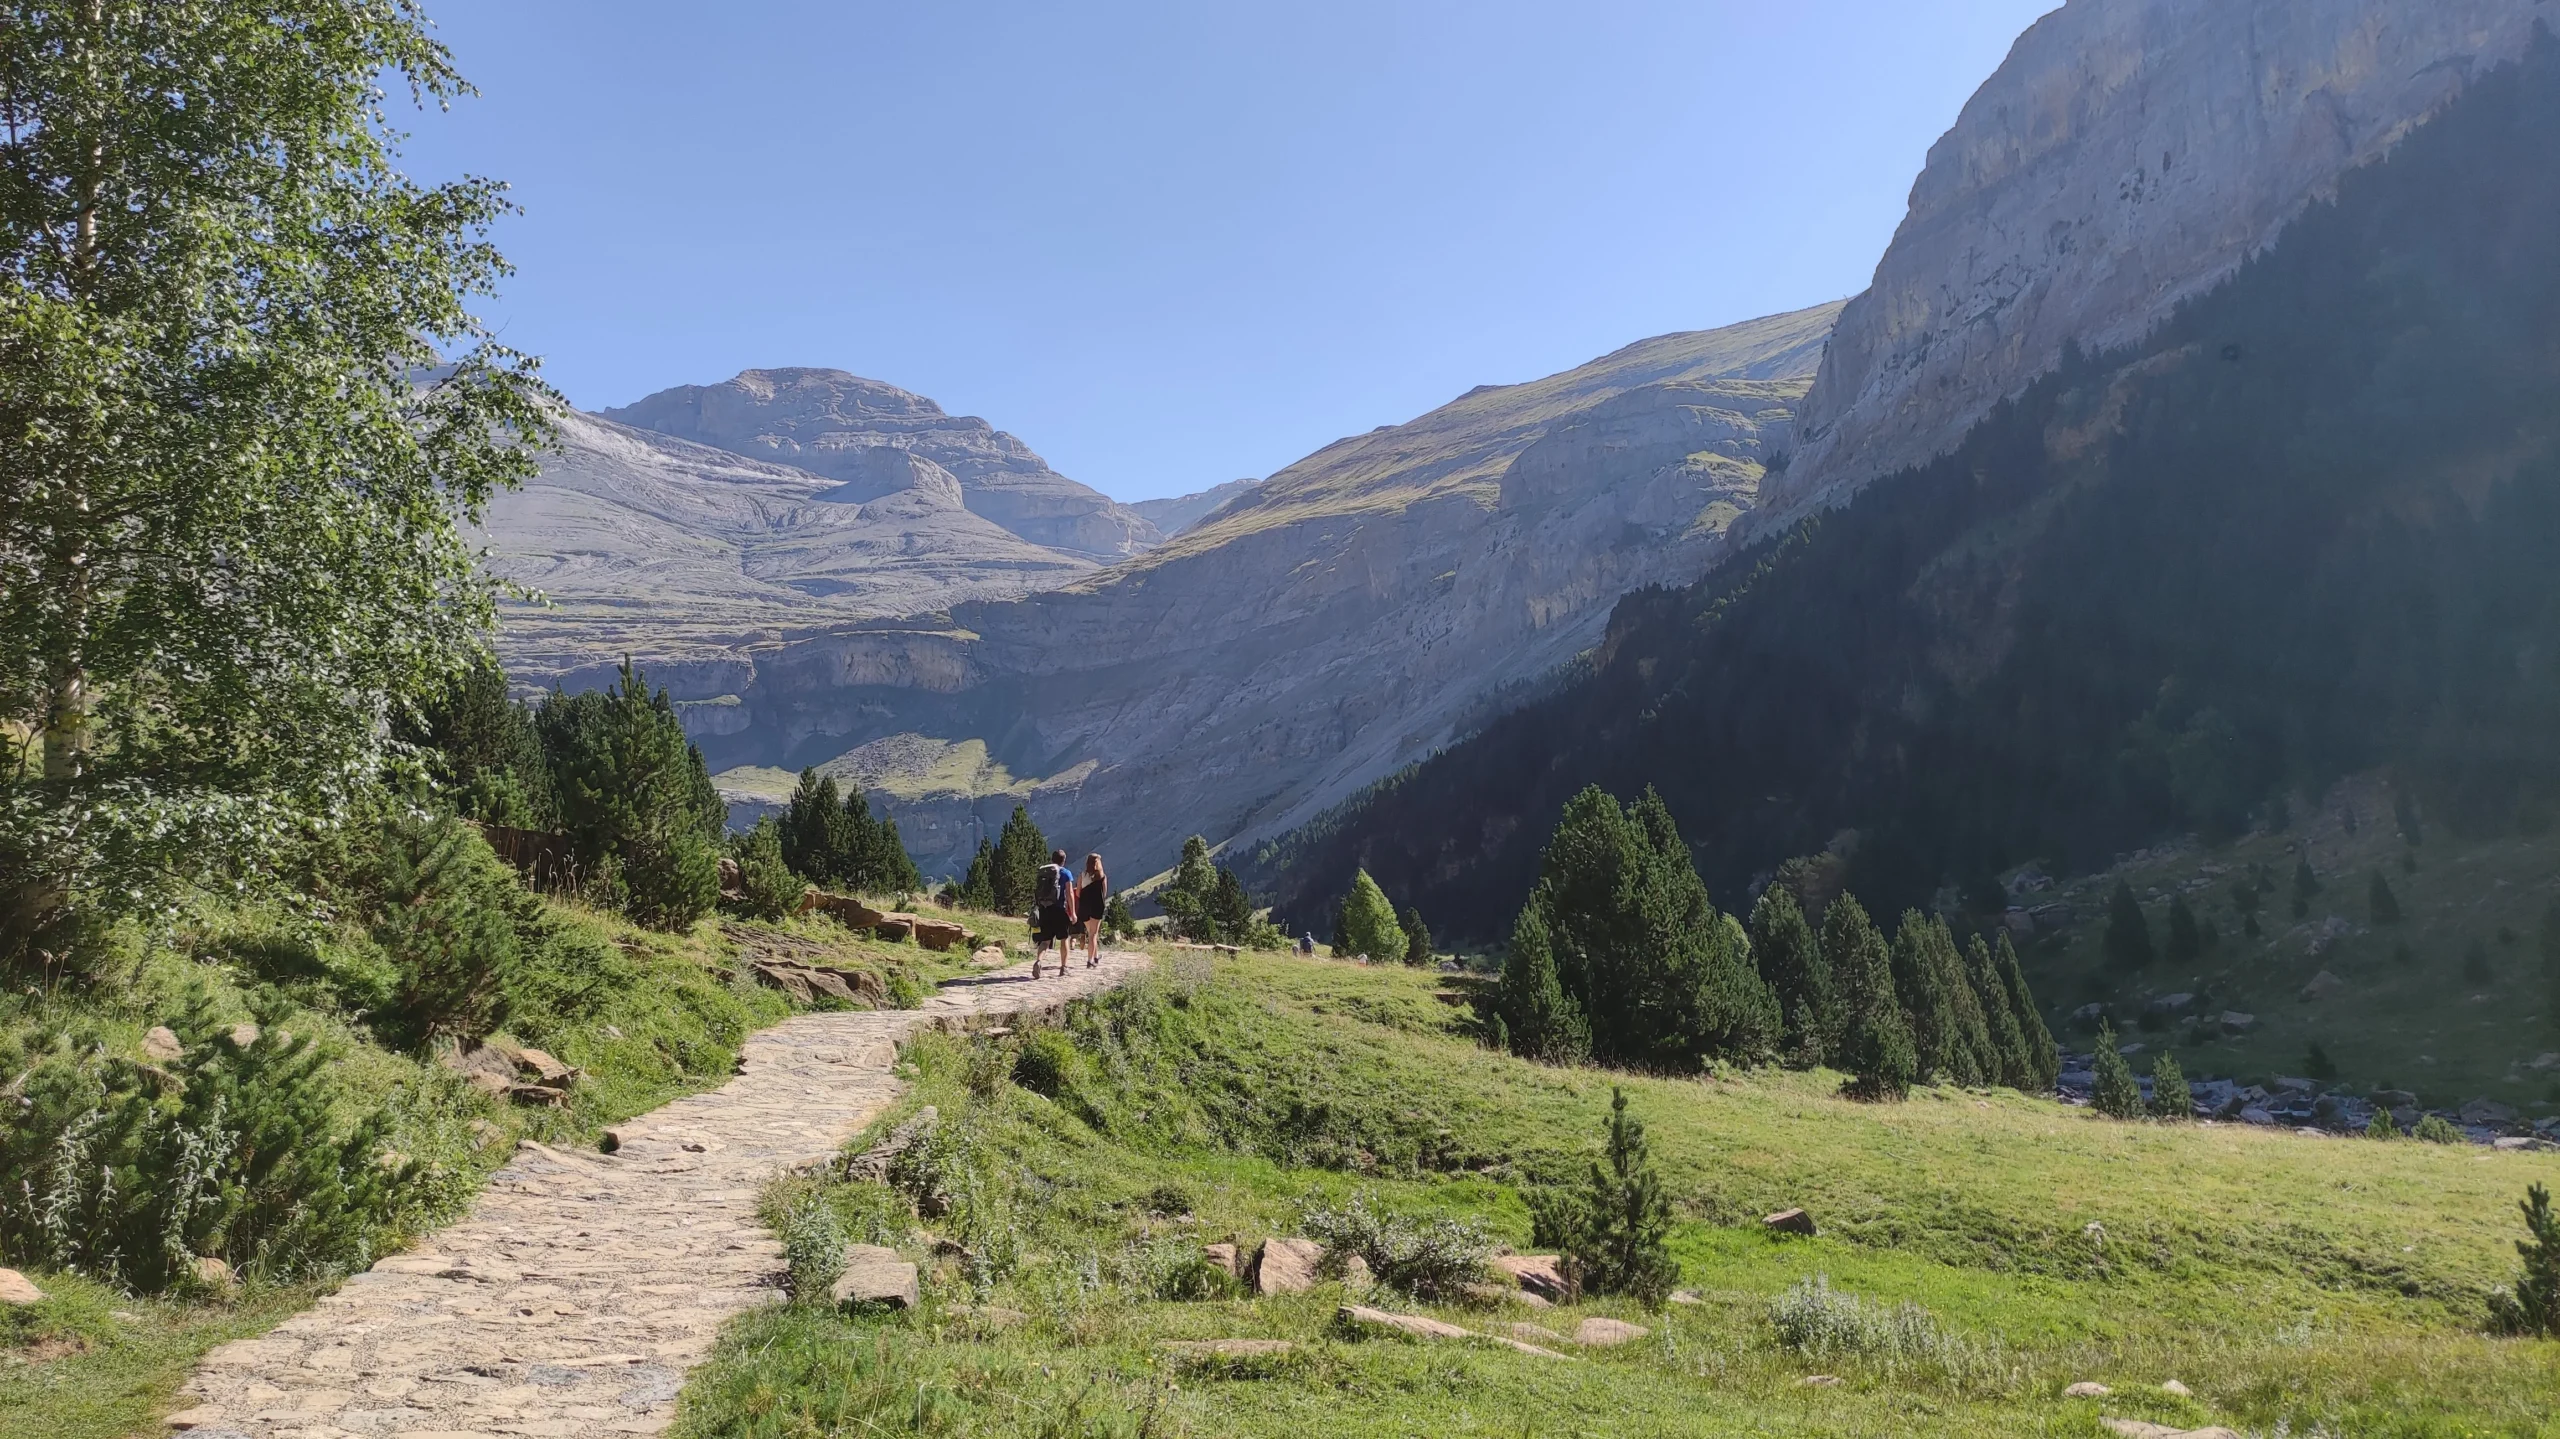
{"x":2127,"y":157}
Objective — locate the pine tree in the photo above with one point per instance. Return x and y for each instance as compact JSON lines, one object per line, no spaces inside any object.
{"x":2044,"y":1057}
{"x":2305,"y":883}
{"x":1614,"y":1235}
{"x":1117,"y":920}
{"x":2186,"y":937}
{"x":1542,"y":1021}
{"x":1368,"y":922}
{"x":894,"y":870}
{"x":1014,"y":870}
{"x":2128,"y":933}
{"x":1876,"y":1045}
{"x":1979,"y":1062}
{"x":767,"y":887}
{"x":485,"y":752}
{"x":2170,"y":1097}
{"x":1189,"y":897}
{"x":1789,"y":960}
{"x":1937,"y":1036}
{"x":2117,"y":1094}
{"x":809,"y":827}
{"x":1231,"y":910}
{"x":2386,"y":905}
{"x":2008,"y":1061}
{"x":635,"y":796}
{"x":978,"y":883}
{"x":2531,"y":1305}
{"x":2550,"y":944}
{"x":1417,"y":938}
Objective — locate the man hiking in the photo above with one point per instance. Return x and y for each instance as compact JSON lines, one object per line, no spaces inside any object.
{"x":1053,"y":916}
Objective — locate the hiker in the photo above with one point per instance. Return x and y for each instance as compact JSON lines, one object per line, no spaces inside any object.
{"x":1307,"y":946}
{"x":1090,"y":898}
{"x":1054,"y":918}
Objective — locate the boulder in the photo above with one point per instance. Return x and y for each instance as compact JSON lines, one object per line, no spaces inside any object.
{"x":1419,"y":1326}
{"x":16,"y":1288}
{"x":1789,"y":1221}
{"x":2393,"y":1098}
{"x":1539,"y":1274}
{"x":733,"y":880}
{"x":872,"y":1164}
{"x":895,"y":928}
{"x":2176,"y":1390}
{"x":2145,"y":1429}
{"x":1599,"y":1333}
{"x":2171,"y":1004}
{"x":1286,"y":1266}
{"x":1225,"y":1256}
{"x":988,"y":954}
{"x":2234,"y":1022}
{"x":844,"y":907}
{"x":1355,"y":1272}
{"x":873,"y":1275}
{"x":791,"y":979}
{"x":940,"y":934}
{"x":161,"y":1045}
{"x":2486,"y":1112}
{"x":212,"y":1273}
{"x":1536,"y":1334}
{"x":1820,"y":1381}
{"x":2322,"y":986}
{"x":2252,"y":1114}
{"x":2087,"y":1389}
{"x":2088,"y":1016}
{"x":244,"y":1035}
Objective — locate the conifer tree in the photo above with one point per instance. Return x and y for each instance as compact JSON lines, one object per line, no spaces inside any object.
{"x":1876,"y":1045}
{"x":1417,"y":938}
{"x":809,"y":826}
{"x":2305,"y":885}
{"x":2530,"y":1305}
{"x":1613,"y":1236}
{"x":1541,"y":1020}
{"x":2128,"y":933}
{"x":486,"y":754}
{"x":2117,"y":1094}
{"x":766,"y":886}
{"x":1190,"y":896}
{"x":1014,"y":872}
{"x":2186,"y":937}
{"x":2386,"y":905}
{"x":1937,"y":1035}
{"x":2170,"y":1097}
{"x":978,"y":883}
{"x":1117,"y":920}
{"x":2044,"y":1057}
{"x":2007,"y":1061}
{"x":1789,"y":960}
{"x":1230,"y":910}
{"x":2550,"y":945}
{"x":1369,"y":922}
{"x":1979,"y":1062}
{"x":634,"y":796}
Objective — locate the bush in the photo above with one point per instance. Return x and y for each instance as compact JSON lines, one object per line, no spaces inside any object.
{"x":1367,"y":923}
{"x":906,"y":991}
{"x":768,"y":888}
{"x":2436,"y":1129}
{"x":447,"y":918}
{"x":2383,"y":1126}
{"x":2531,"y":1305}
{"x":2116,"y":1094}
{"x":1822,"y":1323}
{"x":1612,"y":1234}
{"x":1047,"y":1063}
{"x":1428,"y":1259}
{"x":813,"y":1242}
{"x":2170,"y":1097}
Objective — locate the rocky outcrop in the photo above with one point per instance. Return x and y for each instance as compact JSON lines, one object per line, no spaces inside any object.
{"x":1377,"y":600}
{"x":838,"y":425}
{"x":2128,"y":156}
{"x":1173,"y":516}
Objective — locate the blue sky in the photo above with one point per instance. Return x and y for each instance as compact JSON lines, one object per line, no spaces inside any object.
{"x":1171,"y":244}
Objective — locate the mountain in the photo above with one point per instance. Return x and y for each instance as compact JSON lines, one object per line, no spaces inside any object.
{"x":1364,"y":606}
{"x":2297,"y":526}
{"x":1180,"y":513}
{"x":680,"y":553}
{"x":832,"y":423}
{"x":2128,"y":157}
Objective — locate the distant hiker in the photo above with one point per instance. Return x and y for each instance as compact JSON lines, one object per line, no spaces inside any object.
{"x":1090,"y":898}
{"x":1053,"y":920}
{"x":1307,"y":946}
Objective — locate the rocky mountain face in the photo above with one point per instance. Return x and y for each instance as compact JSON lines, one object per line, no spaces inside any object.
{"x":1377,"y":600}
{"x":1173,"y":516}
{"x":842,"y":426}
{"x":2129,"y":156}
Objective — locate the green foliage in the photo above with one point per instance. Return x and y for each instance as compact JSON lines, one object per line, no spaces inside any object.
{"x":1539,"y":1020}
{"x":2531,"y":1305}
{"x":768,"y":888}
{"x":115,"y":1179}
{"x":1230,"y":912}
{"x":1117,"y":920}
{"x":1876,"y":1046}
{"x":1367,"y":921}
{"x":978,"y":885}
{"x":230,"y":538}
{"x":1826,"y":1325}
{"x":2317,"y":1064}
{"x":2382,"y":1126}
{"x":833,"y":839}
{"x":813,"y":1244}
{"x":485,"y":753}
{"x":2117,"y":1094}
{"x":2385,"y":905}
{"x":1189,"y":897}
{"x":2436,"y":1129}
{"x":1047,"y":1063}
{"x":1947,"y":1029}
{"x":446,"y":912}
{"x":1013,"y":865}
{"x":1611,"y":1234}
{"x":2043,"y":1056}
{"x":2170,"y":1097}
{"x":1417,"y":938}
{"x":2007,"y":1060}
{"x":1426,"y":1258}
{"x":2128,"y":933}
{"x":633,"y":791}
{"x":1661,"y":977}
{"x":2186,"y":936}
{"x":1790,"y":962}
{"x":2305,"y":883}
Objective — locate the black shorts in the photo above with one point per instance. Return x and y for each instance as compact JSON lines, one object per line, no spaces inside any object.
{"x":1054,"y":923}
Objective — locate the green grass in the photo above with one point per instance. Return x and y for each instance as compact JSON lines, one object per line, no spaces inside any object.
{"x":2283,"y":1279}
{"x":667,"y":1019}
{"x":2408,"y":1020}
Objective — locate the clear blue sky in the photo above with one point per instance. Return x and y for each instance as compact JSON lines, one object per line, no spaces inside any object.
{"x":1173,"y":243}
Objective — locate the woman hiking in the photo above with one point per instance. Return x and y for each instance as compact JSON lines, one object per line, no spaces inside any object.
{"x":1053,"y":916}
{"x":1091,"y":896}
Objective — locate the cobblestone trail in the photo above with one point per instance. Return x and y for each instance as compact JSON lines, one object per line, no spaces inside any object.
{"x":581,"y":1287}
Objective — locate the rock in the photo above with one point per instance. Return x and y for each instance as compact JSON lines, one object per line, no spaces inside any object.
{"x":1686,"y":1296}
{"x":2487,"y":1112}
{"x":940,"y":934}
{"x":1539,"y":1274}
{"x":16,"y":1288}
{"x":2394,"y":1098}
{"x":2144,"y":1429}
{"x":895,"y":928}
{"x":2323,"y":985}
{"x":1355,"y":1272}
{"x":2088,"y":1016}
{"x":1789,"y":1221}
{"x":1419,"y":1326}
{"x":2288,"y":1084}
{"x":160,"y":1045}
{"x":733,"y":880}
{"x":791,"y":979}
{"x":844,"y":907}
{"x":874,"y":1275}
{"x":2546,"y":1060}
{"x":212,"y":1273}
{"x":2521,"y":1143}
{"x":2234,"y":1022}
{"x":2087,"y":1389}
{"x":1820,"y":1381}
{"x":244,"y":1035}
{"x":2171,"y":1004}
{"x":1225,"y":1256}
{"x":988,"y":954}
{"x":872,"y":1165}
{"x":2176,"y":1390}
{"x":1286,"y":1266}
{"x":1600,"y":1333}
{"x":1536,"y":1334}
{"x":1225,"y":1348}
{"x":483,"y":1134}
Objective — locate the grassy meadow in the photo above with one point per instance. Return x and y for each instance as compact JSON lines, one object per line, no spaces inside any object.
{"x":2293,"y":1284}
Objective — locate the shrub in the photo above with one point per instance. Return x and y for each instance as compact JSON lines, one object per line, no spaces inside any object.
{"x":2531,"y":1305}
{"x":2436,"y":1129}
{"x":1822,"y":1323}
{"x":768,"y":888}
{"x":2170,"y":1097}
{"x":2116,"y":1094}
{"x":447,"y":919}
{"x":2383,"y":1126}
{"x":1417,"y":938}
{"x":1047,"y":1063}
{"x":1368,"y":923}
{"x":2128,"y":933}
{"x":1429,"y":1259}
{"x":1612,"y":1233}
{"x":813,"y":1243}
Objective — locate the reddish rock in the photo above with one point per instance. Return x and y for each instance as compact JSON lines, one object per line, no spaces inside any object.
{"x":1286,"y":1266}
{"x":1539,"y":1274}
{"x":1789,"y":1221}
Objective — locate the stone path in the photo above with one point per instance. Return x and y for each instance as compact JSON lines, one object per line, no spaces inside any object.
{"x":571,"y":1301}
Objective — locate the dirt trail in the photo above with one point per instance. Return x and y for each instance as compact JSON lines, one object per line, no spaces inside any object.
{"x":581,"y":1287}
